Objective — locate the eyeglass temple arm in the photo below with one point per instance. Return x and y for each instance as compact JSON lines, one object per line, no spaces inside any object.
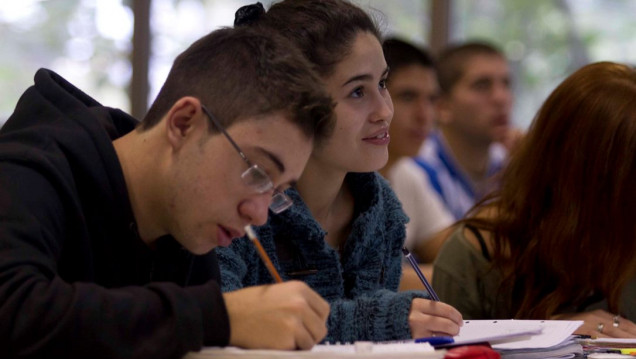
{"x":222,"y":129}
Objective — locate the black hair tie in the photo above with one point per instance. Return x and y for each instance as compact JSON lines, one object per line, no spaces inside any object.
{"x":248,"y":14}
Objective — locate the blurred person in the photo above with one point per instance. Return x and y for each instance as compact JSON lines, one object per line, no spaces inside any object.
{"x":555,"y":241}
{"x":412,"y":83}
{"x":474,"y":108}
{"x":107,"y":224}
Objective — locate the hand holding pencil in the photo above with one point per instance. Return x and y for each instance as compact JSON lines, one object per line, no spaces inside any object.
{"x":431,"y":317}
{"x":286,"y":315}
{"x":283,"y":316}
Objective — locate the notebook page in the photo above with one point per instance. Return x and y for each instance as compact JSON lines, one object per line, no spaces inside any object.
{"x":475,"y":331}
{"x":358,"y":350}
{"x":518,"y":334}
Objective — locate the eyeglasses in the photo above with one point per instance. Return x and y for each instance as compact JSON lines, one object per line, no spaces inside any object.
{"x":254,"y":176}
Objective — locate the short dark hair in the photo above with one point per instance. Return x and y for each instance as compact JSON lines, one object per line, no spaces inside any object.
{"x":244,"y":73}
{"x":324,"y":30}
{"x":452,"y":61}
{"x":399,"y":53}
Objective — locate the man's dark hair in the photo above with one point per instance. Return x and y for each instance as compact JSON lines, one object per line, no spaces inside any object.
{"x":245,"y":73}
{"x":452,"y":61}
{"x":399,"y":53}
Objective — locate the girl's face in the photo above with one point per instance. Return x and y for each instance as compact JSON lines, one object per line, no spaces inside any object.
{"x":363,"y":110}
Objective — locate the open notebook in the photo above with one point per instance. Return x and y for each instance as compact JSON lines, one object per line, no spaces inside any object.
{"x":506,"y":336}
{"x":543,"y":338}
{"x":517,"y":334}
{"x":399,"y":350}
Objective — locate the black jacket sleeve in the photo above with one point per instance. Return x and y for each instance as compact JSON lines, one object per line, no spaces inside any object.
{"x":43,"y":315}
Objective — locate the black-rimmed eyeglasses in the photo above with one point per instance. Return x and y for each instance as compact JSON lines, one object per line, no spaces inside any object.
{"x":254,"y":176}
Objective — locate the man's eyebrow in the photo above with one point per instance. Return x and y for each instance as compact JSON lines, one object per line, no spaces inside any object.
{"x":274,"y":158}
{"x":363,"y":77}
{"x":405,"y":91}
{"x":482,"y":79}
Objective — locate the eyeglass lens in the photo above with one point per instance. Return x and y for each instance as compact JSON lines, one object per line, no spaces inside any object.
{"x":280,"y":202}
{"x":257,"y":179}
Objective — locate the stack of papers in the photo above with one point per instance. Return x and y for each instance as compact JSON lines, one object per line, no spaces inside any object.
{"x":524,"y":338}
{"x":609,"y":347}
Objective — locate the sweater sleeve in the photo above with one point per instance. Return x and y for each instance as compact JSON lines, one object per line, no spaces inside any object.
{"x":373,"y":309}
{"x":43,"y":315}
{"x":380,"y":315}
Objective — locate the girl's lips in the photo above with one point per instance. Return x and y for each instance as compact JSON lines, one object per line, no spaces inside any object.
{"x":379,"y":138}
{"x":383,"y":131}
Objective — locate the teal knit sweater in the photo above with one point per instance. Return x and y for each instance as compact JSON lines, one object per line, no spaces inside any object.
{"x":360,"y":286}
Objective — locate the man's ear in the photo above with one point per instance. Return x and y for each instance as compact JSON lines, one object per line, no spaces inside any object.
{"x":183,"y":120}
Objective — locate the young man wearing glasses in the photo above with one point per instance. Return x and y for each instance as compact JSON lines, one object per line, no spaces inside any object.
{"x":106,"y":226}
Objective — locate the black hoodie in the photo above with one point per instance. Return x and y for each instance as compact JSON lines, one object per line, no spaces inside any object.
{"x":75,"y":279}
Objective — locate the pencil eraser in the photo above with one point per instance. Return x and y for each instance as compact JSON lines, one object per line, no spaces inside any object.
{"x":250,"y":232}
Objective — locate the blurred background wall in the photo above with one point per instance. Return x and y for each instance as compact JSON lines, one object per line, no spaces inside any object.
{"x":119,"y":51}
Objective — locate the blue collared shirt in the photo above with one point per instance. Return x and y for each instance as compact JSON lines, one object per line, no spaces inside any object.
{"x":454,"y":186}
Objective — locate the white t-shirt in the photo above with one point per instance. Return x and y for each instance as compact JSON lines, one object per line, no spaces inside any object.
{"x":419,"y":200}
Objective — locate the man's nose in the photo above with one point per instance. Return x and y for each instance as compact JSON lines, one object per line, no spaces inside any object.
{"x":425,"y":113}
{"x":255,"y":209}
{"x":502,"y":94}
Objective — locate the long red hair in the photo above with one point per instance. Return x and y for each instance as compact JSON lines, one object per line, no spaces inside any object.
{"x":566,"y":209}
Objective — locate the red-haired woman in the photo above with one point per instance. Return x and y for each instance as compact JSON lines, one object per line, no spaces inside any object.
{"x":558,"y":239}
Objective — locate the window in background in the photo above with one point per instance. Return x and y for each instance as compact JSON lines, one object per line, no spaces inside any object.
{"x":546,"y":40}
{"x":175,"y":24}
{"x":85,"y":41}
{"x":89,"y":41}
{"x":406,"y":18}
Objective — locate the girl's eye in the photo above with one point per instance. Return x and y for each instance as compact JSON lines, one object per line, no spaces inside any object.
{"x":358,"y":92}
{"x":382,"y":84}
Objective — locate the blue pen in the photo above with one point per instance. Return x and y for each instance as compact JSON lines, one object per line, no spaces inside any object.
{"x":436,"y":340}
{"x":419,"y":273}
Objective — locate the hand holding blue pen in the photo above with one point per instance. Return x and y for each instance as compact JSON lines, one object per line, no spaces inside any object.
{"x":452,"y":315}
{"x":419,"y":273}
